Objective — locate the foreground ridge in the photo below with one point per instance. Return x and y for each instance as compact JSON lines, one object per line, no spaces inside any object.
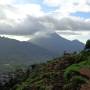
{"x":64,"y":73}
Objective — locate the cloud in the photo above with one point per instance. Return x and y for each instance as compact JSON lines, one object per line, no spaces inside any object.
{"x":66,"y":23}
{"x":82,"y":36}
{"x":65,"y":7}
{"x":16,"y":12}
{"x":28,"y":26}
{"x":68,"y":32}
{"x":20,"y":19}
{"x":5,"y":2}
{"x":31,"y":19}
{"x":30,"y":9}
{"x":32,"y":25}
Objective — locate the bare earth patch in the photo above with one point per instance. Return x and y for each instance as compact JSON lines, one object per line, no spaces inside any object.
{"x":85,"y":72}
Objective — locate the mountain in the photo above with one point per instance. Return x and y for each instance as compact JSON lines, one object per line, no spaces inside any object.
{"x":16,"y":52}
{"x":57,"y":44}
{"x":37,"y":50}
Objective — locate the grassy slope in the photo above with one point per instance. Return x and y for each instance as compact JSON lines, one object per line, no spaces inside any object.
{"x":72,"y":76}
{"x":61,"y":71}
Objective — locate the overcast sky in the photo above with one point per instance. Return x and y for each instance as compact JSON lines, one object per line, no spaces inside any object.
{"x":24,"y":19}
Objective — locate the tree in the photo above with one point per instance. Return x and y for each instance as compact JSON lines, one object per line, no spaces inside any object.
{"x":87,"y":46}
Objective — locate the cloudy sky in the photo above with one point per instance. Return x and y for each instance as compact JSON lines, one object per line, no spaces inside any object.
{"x":24,"y":19}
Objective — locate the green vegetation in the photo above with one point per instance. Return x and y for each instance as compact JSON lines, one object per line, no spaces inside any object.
{"x":77,"y":67}
{"x":46,"y":76}
{"x":60,"y":73}
{"x":87,"y":46}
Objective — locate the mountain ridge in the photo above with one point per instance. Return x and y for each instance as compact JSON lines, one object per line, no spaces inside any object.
{"x":25,"y":52}
{"x":22,"y":52}
{"x":57,"y":44}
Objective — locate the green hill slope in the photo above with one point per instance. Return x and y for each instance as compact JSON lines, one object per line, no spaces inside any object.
{"x":69,"y":72}
{"x":59,"y":74}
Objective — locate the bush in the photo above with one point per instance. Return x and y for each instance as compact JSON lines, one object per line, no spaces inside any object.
{"x":87,"y":46}
{"x":75,"y":83}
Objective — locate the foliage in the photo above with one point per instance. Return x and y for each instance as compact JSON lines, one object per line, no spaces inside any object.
{"x":87,"y":46}
{"x":75,"y":83}
{"x":77,"y":67}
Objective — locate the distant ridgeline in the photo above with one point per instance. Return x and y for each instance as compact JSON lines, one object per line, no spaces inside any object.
{"x":13,"y":52}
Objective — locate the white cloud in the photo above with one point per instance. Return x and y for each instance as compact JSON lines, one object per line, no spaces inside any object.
{"x":65,"y":2}
{"x":30,"y":18}
{"x":81,"y":35}
{"x":30,"y":9}
{"x":20,"y":38}
{"x":65,"y":7}
{"x":20,"y":12}
{"x":5,"y":2}
{"x":32,"y":25}
{"x":52,"y":2}
{"x":14,"y":13}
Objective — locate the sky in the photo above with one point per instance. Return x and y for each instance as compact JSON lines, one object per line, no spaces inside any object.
{"x":25,"y":19}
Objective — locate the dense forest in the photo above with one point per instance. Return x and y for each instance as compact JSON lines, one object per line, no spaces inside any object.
{"x":69,"y":72}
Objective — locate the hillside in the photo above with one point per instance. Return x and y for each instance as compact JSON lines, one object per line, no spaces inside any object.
{"x":16,"y":52}
{"x":13,"y":51}
{"x":57,"y":44}
{"x":70,"y":72}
